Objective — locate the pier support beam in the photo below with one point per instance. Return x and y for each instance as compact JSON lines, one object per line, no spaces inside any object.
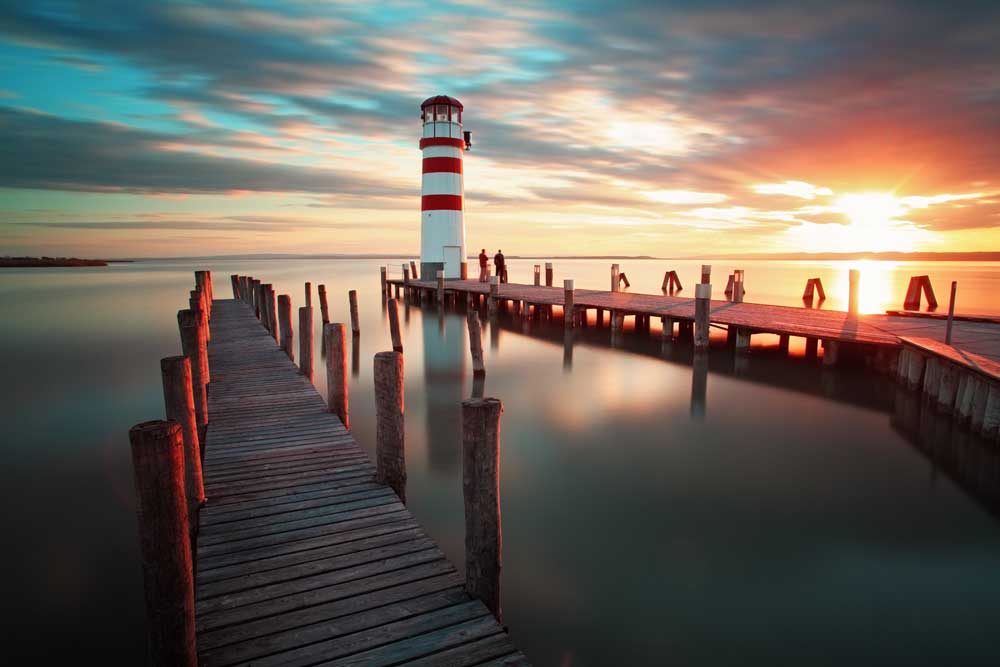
{"x":481,"y":490}
{"x":164,"y":542}
{"x":285,"y":323}
{"x":440,"y":287}
{"x":831,"y":352}
{"x":494,"y":298}
{"x":915,"y":370}
{"x":390,"y":453}
{"x":569,"y":310}
{"x":668,"y":328}
{"x":742,"y":340}
{"x":306,"y":341}
{"x":783,"y":343}
{"x":336,"y":371}
{"x":702,"y":305}
{"x":178,"y":400}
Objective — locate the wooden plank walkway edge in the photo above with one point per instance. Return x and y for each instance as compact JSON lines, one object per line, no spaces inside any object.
{"x":302,"y":557}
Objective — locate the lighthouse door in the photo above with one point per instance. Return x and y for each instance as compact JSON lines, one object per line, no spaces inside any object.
{"x":452,"y":261}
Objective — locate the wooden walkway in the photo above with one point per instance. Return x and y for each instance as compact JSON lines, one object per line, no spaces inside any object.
{"x":302,"y":558}
{"x":978,"y":335}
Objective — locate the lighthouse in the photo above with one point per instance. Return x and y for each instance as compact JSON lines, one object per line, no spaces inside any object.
{"x":442,"y":196}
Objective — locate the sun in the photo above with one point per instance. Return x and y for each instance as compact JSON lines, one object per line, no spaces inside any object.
{"x":874,"y":223}
{"x":873,"y":211}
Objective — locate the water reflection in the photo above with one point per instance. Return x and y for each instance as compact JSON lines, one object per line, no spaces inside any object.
{"x":445,"y":345}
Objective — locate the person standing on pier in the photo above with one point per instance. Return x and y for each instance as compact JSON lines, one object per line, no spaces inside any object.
{"x":501,"y":266}
{"x":484,"y":266}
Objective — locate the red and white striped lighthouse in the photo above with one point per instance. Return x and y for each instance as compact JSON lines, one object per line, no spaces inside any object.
{"x":442,"y":200}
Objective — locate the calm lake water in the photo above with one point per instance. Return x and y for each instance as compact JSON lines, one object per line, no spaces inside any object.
{"x":787,"y":516}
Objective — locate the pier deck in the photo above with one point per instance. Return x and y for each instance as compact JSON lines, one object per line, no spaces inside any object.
{"x":302,"y":557}
{"x":979,"y":335}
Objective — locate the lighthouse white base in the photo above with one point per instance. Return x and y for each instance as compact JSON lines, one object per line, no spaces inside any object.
{"x":442,"y":244}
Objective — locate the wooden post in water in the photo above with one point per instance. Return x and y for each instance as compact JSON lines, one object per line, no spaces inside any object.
{"x":951,"y":312}
{"x":306,"y":341}
{"x":324,"y":308}
{"x":406,"y":282}
{"x":397,"y":340}
{"x":178,"y":401}
{"x":285,"y":322}
{"x":413,"y":270}
{"x":476,"y":343}
{"x":702,"y":306}
{"x":738,"y":291}
{"x":352,"y":296}
{"x":706,"y":274}
{"x":193,"y":347}
{"x":309,"y":295}
{"x":569,"y":309}
{"x":493,"y":302}
{"x":236,"y":286}
{"x":538,"y":275}
{"x":385,"y":286}
{"x":390,"y":451}
{"x":199,"y":302}
{"x":831,"y":352}
{"x":615,"y":280}
{"x":440,"y":287}
{"x":481,"y":490}
{"x":336,"y":371}
{"x":548,"y":274}
{"x":164,"y":542}
{"x":854,"y":283}
{"x":272,"y":314}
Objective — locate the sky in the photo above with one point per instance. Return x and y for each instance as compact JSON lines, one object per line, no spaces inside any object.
{"x":154,"y":129}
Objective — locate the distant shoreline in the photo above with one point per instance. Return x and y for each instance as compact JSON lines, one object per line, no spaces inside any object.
{"x":42,"y":262}
{"x":988,"y":256}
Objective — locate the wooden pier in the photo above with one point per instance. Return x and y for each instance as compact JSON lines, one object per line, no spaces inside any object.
{"x":302,"y":557}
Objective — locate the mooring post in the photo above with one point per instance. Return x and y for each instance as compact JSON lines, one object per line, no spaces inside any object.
{"x":385,"y":286}
{"x":390,"y":453}
{"x":702,"y":306}
{"x":548,"y":274}
{"x":272,"y":311}
{"x":164,"y":541}
{"x":178,"y":401}
{"x":199,"y":302}
{"x":440,"y":287}
{"x":738,"y":289}
{"x":336,"y":371}
{"x":235,"y":284}
{"x":309,"y":296}
{"x":538,"y":275}
{"x":285,"y":322}
{"x":615,"y":280}
{"x":193,"y":347}
{"x":481,"y":490}
{"x":397,"y":340}
{"x":494,"y":295}
{"x":951,"y":312}
{"x":476,"y":343}
{"x":413,"y":270}
{"x":854,"y":282}
{"x":352,"y":297}
{"x":569,"y":309}
{"x":306,"y":341}
{"x":324,"y":308}
{"x":258,"y":301}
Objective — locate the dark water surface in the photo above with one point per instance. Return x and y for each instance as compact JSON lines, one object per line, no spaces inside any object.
{"x":790,"y":516}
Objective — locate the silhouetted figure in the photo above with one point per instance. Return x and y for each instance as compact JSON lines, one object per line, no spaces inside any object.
{"x":501,"y":266}
{"x":484,"y":266}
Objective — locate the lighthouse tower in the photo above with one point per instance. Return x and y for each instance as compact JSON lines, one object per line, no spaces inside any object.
{"x":442,"y":200}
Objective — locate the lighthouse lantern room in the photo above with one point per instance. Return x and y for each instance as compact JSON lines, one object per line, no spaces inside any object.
{"x":442,"y":201}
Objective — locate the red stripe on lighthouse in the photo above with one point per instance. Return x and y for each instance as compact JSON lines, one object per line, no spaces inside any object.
{"x":435,"y":165}
{"x":442,"y":141}
{"x":441,"y":203}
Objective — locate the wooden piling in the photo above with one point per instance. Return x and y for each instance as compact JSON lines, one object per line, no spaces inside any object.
{"x":309,"y":296}
{"x":476,"y":343}
{"x":538,"y":275}
{"x":413,"y":270}
{"x":352,"y":297}
{"x":390,"y":453}
{"x":702,"y":306}
{"x":397,"y":340}
{"x":831,"y":352}
{"x":440,"y":286}
{"x":234,"y":279}
{"x":738,"y":290}
{"x":481,"y":491}
{"x":336,"y":371}
{"x":853,"y":299}
{"x":272,"y":314}
{"x":569,"y":313}
{"x":285,"y":322}
{"x":164,"y":542}
{"x":706,"y":274}
{"x":385,"y":287}
{"x":324,"y":308}
{"x":198,"y":301}
{"x":178,"y":401}
{"x":193,"y":347}
{"x":548,"y":274}
{"x":783,"y":342}
{"x":492,"y":303}
{"x":306,"y":341}
{"x":951,"y":312}
{"x":615,"y":279}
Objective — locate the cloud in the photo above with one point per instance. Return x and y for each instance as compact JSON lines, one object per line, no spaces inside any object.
{"x":798,"y":189}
